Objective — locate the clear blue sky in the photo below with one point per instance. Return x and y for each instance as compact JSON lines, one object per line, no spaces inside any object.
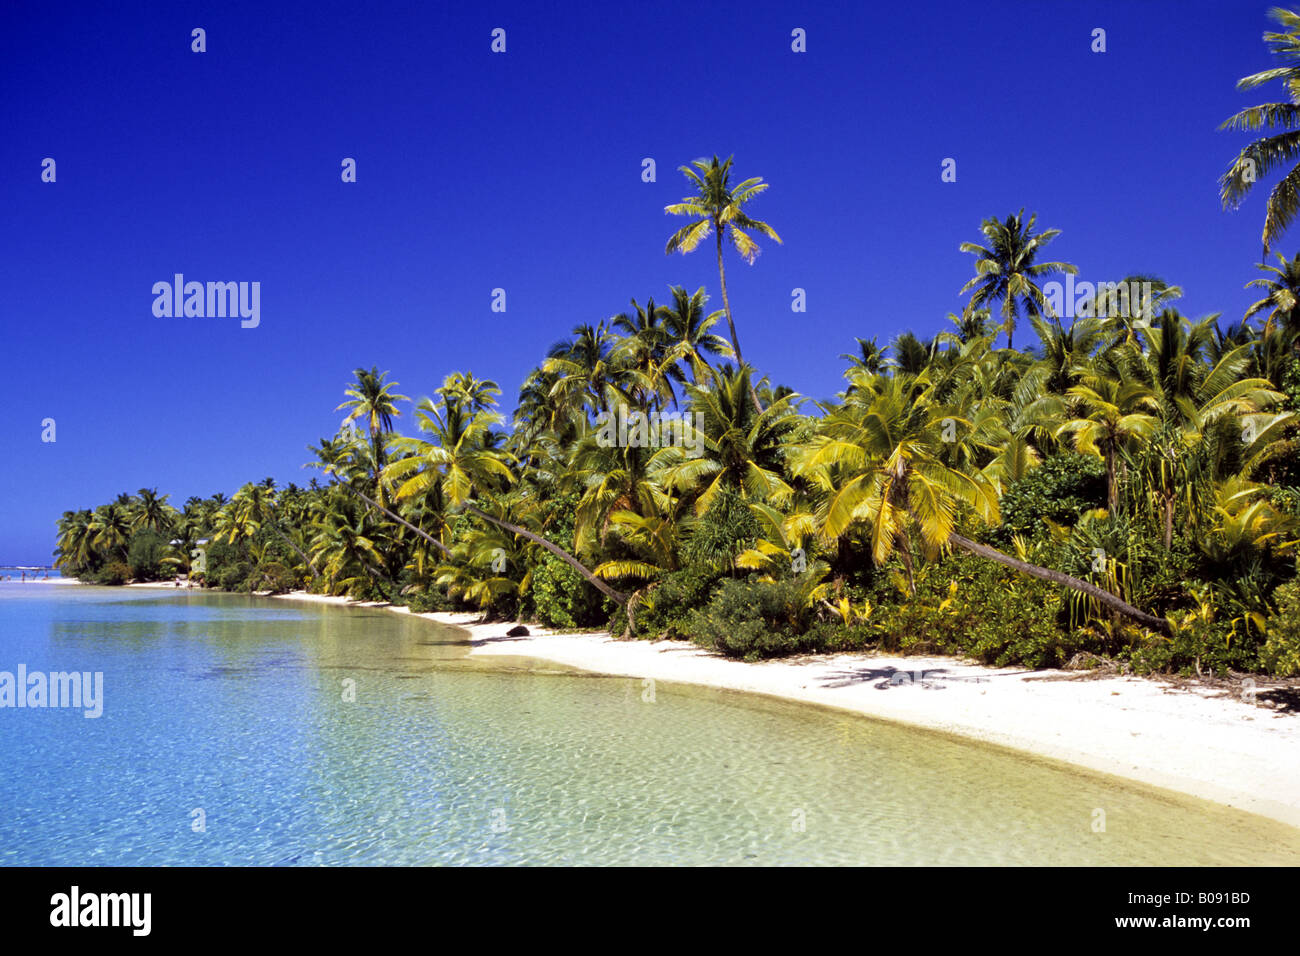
{"x":522,"y":171}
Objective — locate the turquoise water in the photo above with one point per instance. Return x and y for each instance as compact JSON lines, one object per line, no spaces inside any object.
{"x":234,"y":706}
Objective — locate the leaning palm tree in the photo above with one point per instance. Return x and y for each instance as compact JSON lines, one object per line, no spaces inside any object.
{"x":1006,"y":270}
{"x":1259,"y":158}
{"x":881,"y":460}
{"x":716,"y":208}
{"x":462,"y":464}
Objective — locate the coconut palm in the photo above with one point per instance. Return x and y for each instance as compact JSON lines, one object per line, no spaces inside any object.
{"x":717,"y":208}
{"x":690,"y":339}
{"x":880,"y":461}
{"x":745,"y":446}
{"x":1261,"y":157}
{"x":1112,"y":410}
{"x":1006,"y":270}
{"x":462,"y":463}
{"x":869,"y":357}
{"x":110,"y":530}
{"x":153,"y":512}
{"x":373,"y":401}
{"x":1280,"y":296}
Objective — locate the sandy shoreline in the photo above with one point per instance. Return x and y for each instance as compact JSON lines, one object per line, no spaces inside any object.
{"x":1199,"y":741}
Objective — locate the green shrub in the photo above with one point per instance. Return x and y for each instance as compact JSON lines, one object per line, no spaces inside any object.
{"x":752,"y":618}
{"x":145,"y":555}
{"x":561,"y":597}
{"x":966,"y":605}
{"x":1062,"y":488}
{"x":1281,"y":652}
{"x":665,"y":611}
{"x":426,"y":600}
{"x":272,"y":576}
{"x":725,"y":530}
{"x":115,"y":573}
{"x":232,"y":576}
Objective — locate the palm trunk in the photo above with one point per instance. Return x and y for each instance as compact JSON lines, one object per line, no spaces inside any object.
{"x":398,"y":518}
{"x":905,"y":551}
{"x":556,"y":550}
{"x":731,"y":325}
{"x":1112,"y":488}
{"x":305,"y":560}
{"x":1057,"y":577}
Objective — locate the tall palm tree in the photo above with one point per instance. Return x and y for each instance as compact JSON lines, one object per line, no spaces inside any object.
{"x":717,"y":208}
{"x":1261,"y":157}
{"x":1006,"y":270}
{"x":372,"y":400}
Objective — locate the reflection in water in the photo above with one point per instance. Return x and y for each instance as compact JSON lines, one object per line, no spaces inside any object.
{"x":309,"y":734}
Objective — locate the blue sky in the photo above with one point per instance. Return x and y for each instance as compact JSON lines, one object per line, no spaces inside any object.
{"x":522,"y":171}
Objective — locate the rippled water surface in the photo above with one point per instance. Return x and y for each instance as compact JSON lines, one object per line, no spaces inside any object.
{"x":235,"y":706}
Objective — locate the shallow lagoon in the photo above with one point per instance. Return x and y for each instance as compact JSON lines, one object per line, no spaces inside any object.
{"x":235,"y":706}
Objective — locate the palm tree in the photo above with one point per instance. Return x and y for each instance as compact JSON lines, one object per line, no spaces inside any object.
{"x":881,"y":459}
{"x":1259,"y":158}
{"x":110,"y":528}
{"x":644,"y":350}
{"x":252,"y":508}
{"x":1006,"y":270}
{"x":1112,"y":410}
{"x":372,"y":399}
{"x":1280,"y":295}
{"x":75,"y":551}
{"x":586,"y":374}
{"x":745,"y":447}
{"x":869,"y":357}
{"x":716,"y":207}
{"x":153,"y":512}
{"x":461,"y":462}
{"x":690,"y":340}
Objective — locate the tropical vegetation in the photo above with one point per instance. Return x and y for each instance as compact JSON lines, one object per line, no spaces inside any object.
{"x":1117,"y":489}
